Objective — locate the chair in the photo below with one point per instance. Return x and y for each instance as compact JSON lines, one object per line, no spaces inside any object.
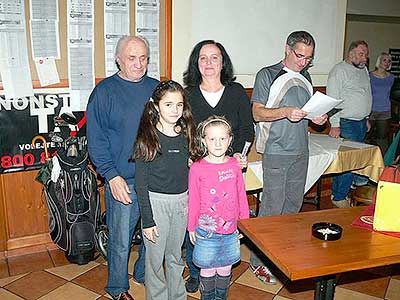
{"x":363,"y":195}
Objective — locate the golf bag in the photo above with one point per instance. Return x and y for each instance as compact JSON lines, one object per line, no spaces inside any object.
{"x":73,"y":206}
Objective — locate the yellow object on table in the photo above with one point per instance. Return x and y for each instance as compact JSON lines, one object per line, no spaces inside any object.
{"x":387,"y":208}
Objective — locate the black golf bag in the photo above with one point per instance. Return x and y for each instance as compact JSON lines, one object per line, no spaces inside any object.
{"x":74,"y":207}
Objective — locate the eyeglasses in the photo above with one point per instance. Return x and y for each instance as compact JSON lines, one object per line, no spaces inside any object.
{"x":308,"y":59}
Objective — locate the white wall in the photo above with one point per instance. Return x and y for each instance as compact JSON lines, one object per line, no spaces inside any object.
{"x":254,"y":32}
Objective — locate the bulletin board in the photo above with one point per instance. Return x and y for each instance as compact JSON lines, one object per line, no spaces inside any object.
{"x":62,"y":64}
{"x":22,"y":119}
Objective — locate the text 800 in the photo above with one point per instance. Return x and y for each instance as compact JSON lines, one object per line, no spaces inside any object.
{"x":19,"y":160}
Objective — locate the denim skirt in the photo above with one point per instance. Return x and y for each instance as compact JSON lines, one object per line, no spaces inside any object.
{"x":215,"y":250}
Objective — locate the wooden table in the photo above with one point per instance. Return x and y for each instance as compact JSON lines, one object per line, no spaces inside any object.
{"x":287,"y":241}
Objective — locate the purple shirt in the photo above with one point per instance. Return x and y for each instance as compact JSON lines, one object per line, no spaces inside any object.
{"x":381,"y":92}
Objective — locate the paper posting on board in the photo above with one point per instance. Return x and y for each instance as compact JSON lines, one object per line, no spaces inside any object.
{"x":45,"y":38}
{"x":47,"y":71}
{"x":80,"y":50}
{"x":14,"y":64}
{"x":147,"y":23}
{"x":116,"y":25}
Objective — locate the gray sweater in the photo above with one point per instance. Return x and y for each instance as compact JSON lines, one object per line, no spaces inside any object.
{"x":352,"y":85}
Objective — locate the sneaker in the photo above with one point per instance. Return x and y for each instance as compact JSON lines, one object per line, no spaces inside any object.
{"x":122,"y":296}
{"x":264,"y":274}
{"x":192,"y":285}
{"x":341,"y":203}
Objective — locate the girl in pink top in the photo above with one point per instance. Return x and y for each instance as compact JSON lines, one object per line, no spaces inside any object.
{"x":217,"y":199}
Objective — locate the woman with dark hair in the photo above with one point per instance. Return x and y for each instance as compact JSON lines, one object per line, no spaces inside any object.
{"x":212,"y":90}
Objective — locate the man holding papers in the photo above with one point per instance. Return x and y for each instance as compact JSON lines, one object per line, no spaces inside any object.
{"x":349,"y":81}
{"x":282,"y":132}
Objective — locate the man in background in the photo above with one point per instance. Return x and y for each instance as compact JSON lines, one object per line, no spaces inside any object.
{"x":349,"y":81}
{"x":113,"y":114}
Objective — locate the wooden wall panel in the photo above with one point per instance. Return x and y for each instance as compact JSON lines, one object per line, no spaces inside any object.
{"x":26,"y":211}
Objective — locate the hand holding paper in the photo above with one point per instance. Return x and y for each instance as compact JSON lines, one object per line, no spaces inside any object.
{"x":319,"y":104}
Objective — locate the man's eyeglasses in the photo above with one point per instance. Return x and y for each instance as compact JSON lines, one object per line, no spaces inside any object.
{"x":308,"y":59}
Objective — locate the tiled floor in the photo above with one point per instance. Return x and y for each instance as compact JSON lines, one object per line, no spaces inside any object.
{"x":48,"y":276}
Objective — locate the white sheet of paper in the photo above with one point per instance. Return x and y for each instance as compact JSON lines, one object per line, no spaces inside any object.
{"x":12,"y":15}
{"x":79,"y":99}
{"x":80,"y":47}
{"x":116,"y":25}
{"x":45,"y":39}
{"x":17,"y":82}
{"x":47,"y":71}
{"x":14,"y":65}
{"x":319,"y":104}
{"x":43,"y":9}
{"x":147,"y":24}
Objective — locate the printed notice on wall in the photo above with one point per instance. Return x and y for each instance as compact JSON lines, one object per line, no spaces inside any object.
{"x":47,"y":71}
{"x":44,"y":29}
{"x":45,"y":40}
{"x":147,"y":18}
{"x":116,"y":25}
{"x":80,"y":50}
{"x":14,"y":65}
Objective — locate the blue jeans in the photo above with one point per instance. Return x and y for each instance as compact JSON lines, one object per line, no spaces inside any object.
{"x":139,"y":267}
{"x":352,"y":130}
{"x":121,"y":222}
{"x":193,"y":269}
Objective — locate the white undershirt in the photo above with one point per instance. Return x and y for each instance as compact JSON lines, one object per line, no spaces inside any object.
{"x":212,"y":98}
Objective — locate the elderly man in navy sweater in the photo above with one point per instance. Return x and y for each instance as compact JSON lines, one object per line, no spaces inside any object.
{"x":113,"y":114}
